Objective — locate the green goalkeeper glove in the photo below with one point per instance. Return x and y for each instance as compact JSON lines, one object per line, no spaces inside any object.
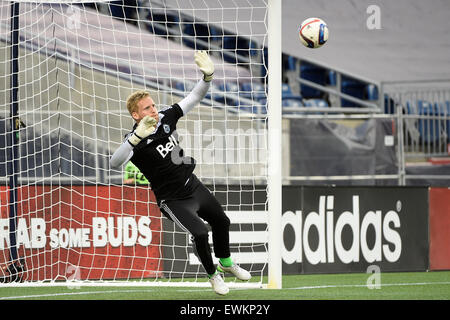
{"x":205,"y":64}
{"x":145,"y":128}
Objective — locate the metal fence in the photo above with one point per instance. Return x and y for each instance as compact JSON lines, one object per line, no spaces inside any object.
{"x":420,"y":113}
{"x":422,"y":110}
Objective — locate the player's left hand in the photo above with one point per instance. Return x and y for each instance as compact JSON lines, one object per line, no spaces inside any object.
{"x":205,"y":64}
{"x":145,"y":128}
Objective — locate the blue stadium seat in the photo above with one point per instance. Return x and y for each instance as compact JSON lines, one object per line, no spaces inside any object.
{"x":260,"y":107}
{"x":354,"y":88}
{"x":123,"y":9}
{"x":230,"y":42}
{"x":371,"y":92}
{"x":316,"y":103}
{"x":389,"y":105}
{"x":230,"y":87}
{"x":447,"y":122}
{"x":254,"y":48}
{"x":186,"y":87}
{"x":200,"y":31}
{"x":331,"y":78}
{"x":162,"y":23}
{"x":188,"y":37}
{"x":264,"y":62}
{"x":409,"y":108}
{"x":286,"y":90}
{"x":443,"y":110}
{"x":315,"y":74}
{"x":253,"y":90}
{"x":428,"y":128}
{"x":293,"y":101}
{"x":179,"y":86}
{"x":235,"y":46}
{"x":289,"y":63}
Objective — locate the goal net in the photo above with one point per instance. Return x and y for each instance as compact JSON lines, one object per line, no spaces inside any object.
{"x":66,"y":70}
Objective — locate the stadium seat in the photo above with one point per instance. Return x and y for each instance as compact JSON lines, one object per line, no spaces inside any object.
{"x":229,"y":87}
{"x":289,"y":63}
{"x":162,"y":22}
{"x":232,"y":88}
{"x":264,"y":62}
{"x":292,"y":102}
{"x":286,"y":90}
{"x":447,"y":121}
{"x":315,"y":74}
{"x":188,"y":37}
{"x":389,"y":105}
{"x":428,"y":128}
{"x":371,"y":92}
{"x":186,"y":87}
{"x":331,"y":78}
{"x":354,"y":88}
{"x":199,"y":35}
{"x":443,"y":110}
{"x":212,"y":94}
{"x":254,"y":48}
{"x":253,"y":90}
{"x":179,"y":86}
{"x":260,"y":107}
{"x":234,"y":46}
{"x":123,"y":9}
{"x":315,"y":103}
{"x":409,"y":108}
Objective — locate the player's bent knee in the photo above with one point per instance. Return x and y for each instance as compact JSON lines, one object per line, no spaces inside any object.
{"x":224,"y":221}
{"x":221,"y":221}
{"x":201,"y":236}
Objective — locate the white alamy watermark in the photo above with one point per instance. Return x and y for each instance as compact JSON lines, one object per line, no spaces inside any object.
{"x":73,"y":17}
{"x":373,"y":21}
{"x":73,"y":275}
{"x":374,"y":280}
{"x":215,"y":146}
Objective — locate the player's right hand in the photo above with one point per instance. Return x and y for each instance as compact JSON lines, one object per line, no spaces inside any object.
{"x":145,"y":128}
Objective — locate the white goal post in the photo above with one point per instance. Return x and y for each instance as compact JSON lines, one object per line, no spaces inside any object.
{"x":67,"y":68}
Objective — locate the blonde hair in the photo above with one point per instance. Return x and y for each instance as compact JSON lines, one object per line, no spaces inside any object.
{"x":133,"y":100}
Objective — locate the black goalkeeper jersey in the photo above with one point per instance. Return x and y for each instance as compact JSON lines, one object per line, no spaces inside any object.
{"x":161,"y":159}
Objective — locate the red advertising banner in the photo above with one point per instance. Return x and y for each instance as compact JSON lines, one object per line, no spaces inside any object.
{"x":439,"y":229}
{"x":84,"y":232}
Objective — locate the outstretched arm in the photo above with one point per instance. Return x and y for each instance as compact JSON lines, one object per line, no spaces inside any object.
{"x":121,"y":155}
{"x":201,"y":88}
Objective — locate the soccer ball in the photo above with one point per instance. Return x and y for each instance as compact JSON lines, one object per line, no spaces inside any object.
{"x":313,"y":33}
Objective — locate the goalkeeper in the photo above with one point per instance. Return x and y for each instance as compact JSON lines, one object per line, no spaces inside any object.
{"x":153,"y":147}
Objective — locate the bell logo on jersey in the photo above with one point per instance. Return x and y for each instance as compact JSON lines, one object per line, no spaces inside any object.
{"x":165,"y":149}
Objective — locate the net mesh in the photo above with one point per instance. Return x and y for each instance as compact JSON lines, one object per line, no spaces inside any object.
{"x":65,"y":214}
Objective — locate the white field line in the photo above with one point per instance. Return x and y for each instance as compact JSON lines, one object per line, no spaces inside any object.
{"x":70,"y":294}
{"x":368,"y":286}
{"x":92,"y":292}
{"x":203,"y":289}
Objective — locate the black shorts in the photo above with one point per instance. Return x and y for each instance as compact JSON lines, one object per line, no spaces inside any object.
{"x":190,"y":213}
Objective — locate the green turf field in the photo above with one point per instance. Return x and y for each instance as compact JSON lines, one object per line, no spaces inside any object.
{"x":392,"y":286}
